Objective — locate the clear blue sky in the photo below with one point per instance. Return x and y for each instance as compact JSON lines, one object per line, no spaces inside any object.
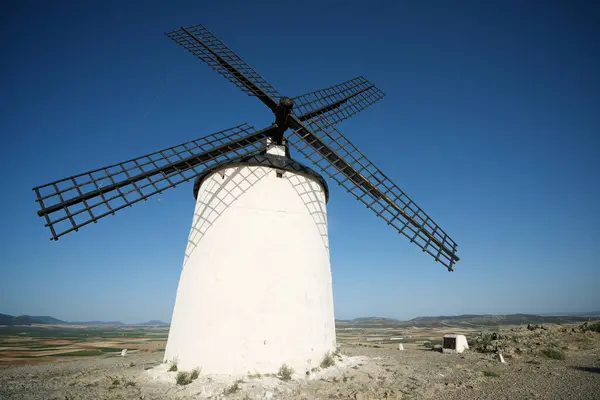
{"x":491,"y":123}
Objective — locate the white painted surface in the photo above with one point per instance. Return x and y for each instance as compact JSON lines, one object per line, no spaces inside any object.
{"x":123,"y":352}
{"x":501,"y":358}
{"x":255,"y":289}
{"x":275,"y":149}
{"x":461,"y":344}
{"x":400,"y":346}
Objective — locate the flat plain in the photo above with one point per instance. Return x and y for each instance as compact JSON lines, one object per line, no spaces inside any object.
{"x":559,"y":359}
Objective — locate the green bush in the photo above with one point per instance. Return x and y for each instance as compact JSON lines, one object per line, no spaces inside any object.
{"x":555,"y":353}
{"x":482,"y":343}
{"x":195,"y":373}
{"x":173,"y":367}
{"x":233,"y":388}
{"x":593,"y":326}
{"x":327,"y":361}
{"x":285,"y":373}
{"x":183,"y":378}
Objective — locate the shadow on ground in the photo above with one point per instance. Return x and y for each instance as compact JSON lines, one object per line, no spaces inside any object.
{"x":595,"y":370}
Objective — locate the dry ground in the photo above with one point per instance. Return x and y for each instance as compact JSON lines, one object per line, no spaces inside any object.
{"x":371,"y":367}
{"x":362,"y":373}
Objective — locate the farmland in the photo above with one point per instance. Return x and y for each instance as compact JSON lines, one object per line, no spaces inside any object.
{"x":36,"y":344}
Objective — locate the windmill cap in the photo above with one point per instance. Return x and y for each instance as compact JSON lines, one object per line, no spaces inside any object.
{"x":264,"y":160}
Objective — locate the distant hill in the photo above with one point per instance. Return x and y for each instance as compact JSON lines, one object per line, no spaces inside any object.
{"x":154,"y":322}
{"x":370,"y":322}
{"x":486,"y":320}
{"x":374,"y":319}
{"x":363,"y":321}
{"x":466,"y":320}
{"x":6,"y":319}
{"x":582,"y":314}
{"x":49,"y":320}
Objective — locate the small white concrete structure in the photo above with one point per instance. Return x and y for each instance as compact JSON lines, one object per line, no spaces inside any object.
{"x":501,"y":358}
{"x":255,"y":290}
{"x":123,"y":352}
{"x":400,"y":346}
{"x":454,"y":343}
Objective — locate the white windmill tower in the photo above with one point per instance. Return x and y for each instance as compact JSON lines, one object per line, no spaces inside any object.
{"x":255,"y":288}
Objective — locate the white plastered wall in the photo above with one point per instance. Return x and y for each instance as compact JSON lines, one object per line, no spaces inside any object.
{"x":255,"y":290}
{"x":461,"y":344}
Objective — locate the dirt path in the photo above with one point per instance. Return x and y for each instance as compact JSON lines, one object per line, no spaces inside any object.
{"x":363,"y":373}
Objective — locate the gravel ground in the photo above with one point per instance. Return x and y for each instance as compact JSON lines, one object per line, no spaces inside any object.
{"x":362,"y":373}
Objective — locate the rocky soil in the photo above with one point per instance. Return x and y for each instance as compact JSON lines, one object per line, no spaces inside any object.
{"x":359,"y":373}
{"x":535,"y":340}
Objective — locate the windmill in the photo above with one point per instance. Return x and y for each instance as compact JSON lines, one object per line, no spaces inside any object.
{"x":255,"y":288}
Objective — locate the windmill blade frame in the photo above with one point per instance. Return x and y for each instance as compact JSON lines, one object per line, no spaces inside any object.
{"x":73,"y":202}
{"x":312,"y":121}
{"x":337,"y":102}
{"x":207,"y":47}
{"x":330,"y":151}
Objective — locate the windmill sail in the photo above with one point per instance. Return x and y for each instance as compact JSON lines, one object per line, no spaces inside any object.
{"x":203,"y":44}
{"x":338,"y":102}
{"x":73,"y":202}
{"x":336,"y":156}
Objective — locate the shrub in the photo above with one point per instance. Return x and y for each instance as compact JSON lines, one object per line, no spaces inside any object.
{"x":183,"y":378}
{"x":327,"y":361}
{"x":594,"y":327}
{"x":285,"y":373}
{"x":233,"y":388}
{"x":438,"y":348}
{"x":482,"y":343}
{"x":195,"y":373}
{"x":173,"y":367}
{"x":491,"y":374}
{"x":554,"y":353}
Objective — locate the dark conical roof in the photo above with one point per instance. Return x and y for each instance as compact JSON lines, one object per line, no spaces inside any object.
{"x":264,"y":160}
